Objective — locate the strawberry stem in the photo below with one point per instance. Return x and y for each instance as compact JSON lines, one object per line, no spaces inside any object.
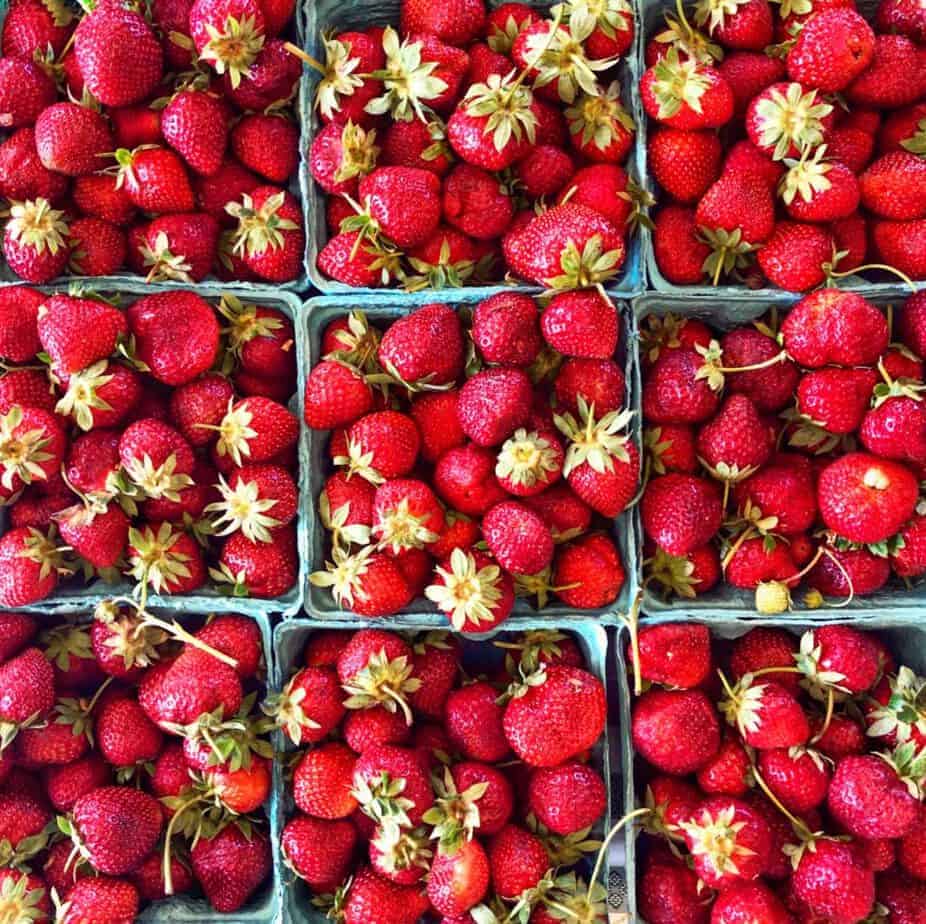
{"x":830,"y":701}
{"x":875,"y":266}
{"x":603,"y":851}
{"x":306,"y":57}
{"x":175,"y":630}
{"x":165,"y":861}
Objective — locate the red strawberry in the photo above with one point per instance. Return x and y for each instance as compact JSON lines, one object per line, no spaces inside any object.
{"x":686,"y":94}
{"x":505,"y":329}
{"x":493,"y":404}
{"x":680,"y":253}
{"x":269,"y":237}
{"x":676,"y":731}
{"x":267,"y":145}
{"x":471,"y":589}
{"x":675,"y":655}
{"x":30,"y":26}
{"x":868,"y":799}
{"x":425,"y":347}
{"x":669,"y":892}
{"x":30,"y":566}
{"x":99,"y":899}
{"x":882,"y":84}
{"x":581,"y":324}
{"x":794,"y":256}
{"x":684,"y":163}
{"x":372,"y":898}
{"x":833,"y":880}
{"x":36,"y":242}
{"x":180,"y":247}
{"x":766,"y":714}
{"x":319,"y":851}
{"x":831,"y":50}
{"x":22,"y":173}
{"x":155,"y":179}
{"x":260,"y":569}
{"x":230,"y":866}
{"x":748,"y":73}
{"x":894,"y":186}
{"x":900,"y":244}
{"x":464,"y":477}
{"x":129,"y":77}
{"x":784,"y":119}
{"x":602,"y":188}
{"x":70,"y":139}
{"x":25,"y":90}
{"x":681,"y":512}
{"x":194,"y":125}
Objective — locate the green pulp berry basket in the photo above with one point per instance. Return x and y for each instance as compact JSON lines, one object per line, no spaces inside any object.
{"x":72,"y":597}
{"x":905,"y":635}
{"x":323,"y":17}
{"x":651,"y":21}
{"x":289,"y":640}
{"x":725,"y":602}
{"x":265,"y":904}
{"x":123,"y":279}
{"x":316,"y":315}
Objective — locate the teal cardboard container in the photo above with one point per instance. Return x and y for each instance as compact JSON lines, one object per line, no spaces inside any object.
{"x":905,"y":635}
{"x":651,"y":21}
{"x":725,"y":602}
{"x":319,"y":603}
{"x":265,"y":904}
{"x":332,"y":16}
{"x":289,"y":639}
{"x":74,"y":598}
{"x":124,"y":279}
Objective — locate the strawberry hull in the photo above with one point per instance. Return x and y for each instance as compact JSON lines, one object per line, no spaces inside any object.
{"x":319,"y":604}
{"x":289,"y":642}
{"x":904,"y":636}
{"x":332,"y":16}
{"x":73,"y":596}
{"x":721,"y":314}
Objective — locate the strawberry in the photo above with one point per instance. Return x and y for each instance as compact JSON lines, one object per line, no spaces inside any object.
{"x":149,"y":878}
{"x":882,"y":85}
{"x":562,"y":814}
{"x":78,"y":332}
{"x":900,"y":244}
{"x":269,"y":237}
{"x":680,"y":253}
{"x":783,"y":491}
{"x":675,"y":655}
{"x":869,"y":799}
{"x":323,"y":780}
{"x":493,"y":404}
{"x":784,"y":119}
{"x":568,"y":246}
{"x":812,"y":342}
{"x":581,"y":324}
{"x":380,"y":445}
{"x":167,"y":560}
{"x":600,"y":129}
{"x":505,"y":329}
{"x":795,"y":256}
{"x":676,"y":391}
{"x":99,"y":899}
{"x":372,"y":898}
{"x":476,"y":204}
{"x":115,"y":827}
{"x":348,"y":260}
{"x":684,"y":163}
{"x":202,"y":401}
{"x":464,"y":477}
{"x":268,"y":145}
{"x":748,"y":73}
{"x":125,"y":735}
{"x":155,"y":179}
{"x":227,"y":184}
{"x":518,"y":861}
{"x":458,"y":24}
{"x":751,"y":898}
{"x":424,"y":348}
{"x":897,"y":16}
{"x":368,"y":582}
{"x":273,"y":76}
{"x":36,"y":242}
{"x":910,"y":560}
{"x":817,"y":191}
{"x":319,"y":851}
{"x":518,"y":538}
{"x":858,"y":572}
{"x":473,"y":721}
{"x":557,"y":718}
{"x":836,"y":398}
{"x":70,"y":139}
{"x":257,"y":429}
{"x":676,"y":731}
{"x":728,"y":772}
{"x":228,"y":34}
{"x":134,"y":126}
{"x":412,"y":144}
{"x":128,"y":77}
{"x":194,"y":125}
{"x":32,"y":26}
{"x":97,"y":247}
{"x":894,"y":186}
{"x":831,"y":50}
{"x":25,"y":90}
{"x":544,"y":171}
{"x":669,"y":892}
{"x":99,"y":537}
{"x":256,"y":499}
{"x":832,"y":879}
{"x":32,"y":447}
{"x":180,"y":247}
{"x":766,"y":714}
{"x":22,"y":173}
{"x":260,"y":569}
{"x":230,"y":866}
{"x":735,"y":443}
{"x":435,"y":413}
{"x":599,"y":382}
{"x":472,"y":590}
{"x":686,"y":94}
{"x":335,"y":395}
{"x":371,"y":728}
{"x":529,"y":462}
{"x":680,"y":512}
{"x":603,"y":188}
{"x":799,"y":778}
{"x":866,"y":499}
{"x":342,"y":153}
{"x":30,"y":566}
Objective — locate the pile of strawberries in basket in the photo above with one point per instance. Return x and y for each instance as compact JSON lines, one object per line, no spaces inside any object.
{"x":786,"y":790}
{"x":776,"y":455}
{"x":471,"y":470}
{"x":472,"y":802}
{"x":476,"y":144}
{"x":819,"y":164}
{"x":132,"y":766}
{"x":157,"y":138}
{"x":152,"y":442}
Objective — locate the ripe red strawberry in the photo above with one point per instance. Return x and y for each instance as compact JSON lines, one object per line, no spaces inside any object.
{"x":228,"y":34}
{"x":669,"y":892}
{"x":866,"y":572}
{"x":900,"y":244}
{"x":798,"y":778}
{"x":831,"y":50}
{"x":411,"y":144}
{"x":794,"y":256}
{"x":268,"y":145}
{"x":335,"y":396}
{"x":260,"y":569}
{"x":686,"y":94}
{"x":30,"y":566}
{"x":97,"y":247}
{"x":464,"y":477}
{"x":833,"y":879}
{"x":589,"y":245}
{"x":688,"y":575}
{"x":155,"y":179}
{"x":323,"y":781}
{"x":544,"y":171}
{"x":476,"y":204}
{"x":70,"y":139}
{"x":602,"y":188}
{"x":505,"y":329}
{"x":31,"y":26}
{"x":128,"y":77}
{"x":380,"y":445}
{"x":269,"y":237}
{"x":868,"y":799}
{"x":32,"y":447}
{"x":99,"y":899}
{"x":180,"y":247}
{"x":100,"y":538}
{"x":680,"y":512}
{"x":675,"y":655}
{"x":36,"y":242}
{"x":600,"y":129}
{"x":866,"y":499}
{"x":766,"y":714}
{"x":124,"y":734}
{"x":435,"y":413}
{"x":882,"y":84}
{"x":230,"y":866}
{"x":456,"y":24}
{"x":23,"y":175}
{"x":676,"y":731}
{"x":424,"y":348}
{"x":748,"y":73}
{"x":836,"y":398}
{"x":784,"y":119}
{"x":25,"y":90}
{"x":493,"y":404}
{"x":736,"y":442}
{"x":194,"y":124}
{"x":680,"y":253}
{"x":674,"y":392}
{"x":341,"y":153}
{"x":256,"y":429}
{"x":894,"y":186}
{"x":810,"y":338}
{"x":581,"y":324}
{"x":684,"y":163}
{"x":372,"y":898}
{"x":600,"y":383}
{"x":567,"y":798}
{"x":347,"y":259}
{"x":471,"y":589}
{"x":319,"y":851}
{"x":518,"y":538}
